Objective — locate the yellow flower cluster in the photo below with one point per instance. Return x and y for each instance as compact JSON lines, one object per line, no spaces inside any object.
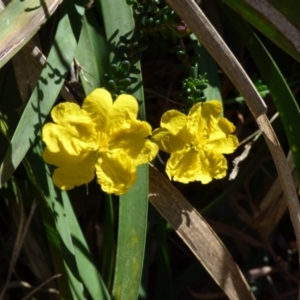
{"x":196,"y":142}
{"x":102,"y":137}
{"x":105,"y":137}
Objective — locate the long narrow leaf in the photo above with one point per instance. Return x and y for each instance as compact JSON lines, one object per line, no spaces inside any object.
{"x":198,"y":236}
{"x":278,"y":25}
{"x":47,"y":89}
{"x":208,"y":66}
{"x":55,"y":200}
{"x":52,"y":234}
{"x":281,"y":94}
{"x":19,"y":21}
{"x":131,"y":238}
{"x":107,"y":258}
{"x":86,"y":266}
{"x":134,"y":205}
{"x":92,"y":54}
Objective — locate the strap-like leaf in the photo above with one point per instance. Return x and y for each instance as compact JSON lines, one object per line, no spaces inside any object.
{"x":133,"y":207}
{"x":47,"y":89}
{"x":19,"y":21}
{"x":198,"y":236}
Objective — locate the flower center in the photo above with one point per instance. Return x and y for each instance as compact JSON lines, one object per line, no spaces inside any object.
{"x":196,"y":144}
{"x":103,"y":141}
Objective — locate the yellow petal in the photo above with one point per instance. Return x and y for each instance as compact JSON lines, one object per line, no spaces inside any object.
{"x":183,"y":165}
{"x":218,"y":138}
{"x":211,"y":114}
{"x":224,"y":145}
{"x":125,"y":109}
{"x":173,"y":121}
{"x":226,"y":126}
{"x":133,"y":139}
{"x":71,"y":145}
{"x":116,"y":172}
{"x":195,"y":123}
{"x":98,"y":105}
{"x":212,"y":108}
{"x":166,"y":141}
{"x":204,"y":117}
{"x":190,"y":165}
{"x":217,"y":164}
{"x":72,"y":170}
{"x":74,"y":120}
{"x":64,"y":112}
{"x":69,"y":142}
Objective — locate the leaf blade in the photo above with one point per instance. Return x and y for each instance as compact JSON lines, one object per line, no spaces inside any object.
{"x":14,"y":20}
{"x":133,"y":207}
{"x":198,"y":236}
{"x":50,"y":83}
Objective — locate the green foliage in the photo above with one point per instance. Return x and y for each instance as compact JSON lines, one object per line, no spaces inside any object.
{"x":193,"y":87}
{"x":86,"y":245}
{"x":155,"y":18}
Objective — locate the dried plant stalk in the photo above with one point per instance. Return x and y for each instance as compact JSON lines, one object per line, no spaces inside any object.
{"x":195,"y":19}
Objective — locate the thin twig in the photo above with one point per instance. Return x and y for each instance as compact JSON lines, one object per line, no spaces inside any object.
{"x":40,"y":286}
{"x":16,"y":249}
{"x":254,"y":136}
{"x":18,"y":242}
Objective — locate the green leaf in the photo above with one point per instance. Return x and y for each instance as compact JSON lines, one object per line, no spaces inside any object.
{"x":72,"y":249}
{"x":133,"y":205}
{"x":32,"y":167}
{"x":119,"y":22}
{"x":207,"y":65}
{"x":54,"y":199}
{"x":286,"y":15}
{"x":48,"y":87}
{"x":281,"y":94}
{"x":131,"y":238}
{"x":107,"y":256}
{"x":92,"y":54}
{"x":15,"y":20}
{"x":86,"y":266}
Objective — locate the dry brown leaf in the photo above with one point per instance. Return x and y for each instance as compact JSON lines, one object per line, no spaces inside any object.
{"x":28,"y":64}
{"x":21,"y":234}
{"x":198,"y":236}
{"x":27,"y":74}
{"x":15,"y":34}
{"x":278,"y":20}
{"x":273,"y":206}
{"x":34,"y":254}
{"x":208,"y":36}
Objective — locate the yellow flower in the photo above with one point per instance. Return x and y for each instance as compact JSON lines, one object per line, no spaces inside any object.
{"x":103,"y":137}
{"x":196,"y":142}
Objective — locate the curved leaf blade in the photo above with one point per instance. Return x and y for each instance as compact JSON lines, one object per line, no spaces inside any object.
{"x":49,"y":86}
{"x":14,"y":23}
{"x":133,"y":207}
{"x":198,"y":236}
{"x":92,"y":54}
{"x":281,"y":94}
{"x":273,"y":21}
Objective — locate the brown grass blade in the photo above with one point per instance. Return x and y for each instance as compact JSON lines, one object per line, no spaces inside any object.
{"x":21,"y":234}
{"x":19,"y":21}
{"x":198,"y":236}
{"x":28,"y":64}
{"x":273,"y":206}
{"x":191,"y":13}
{"x":278,"y":20}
